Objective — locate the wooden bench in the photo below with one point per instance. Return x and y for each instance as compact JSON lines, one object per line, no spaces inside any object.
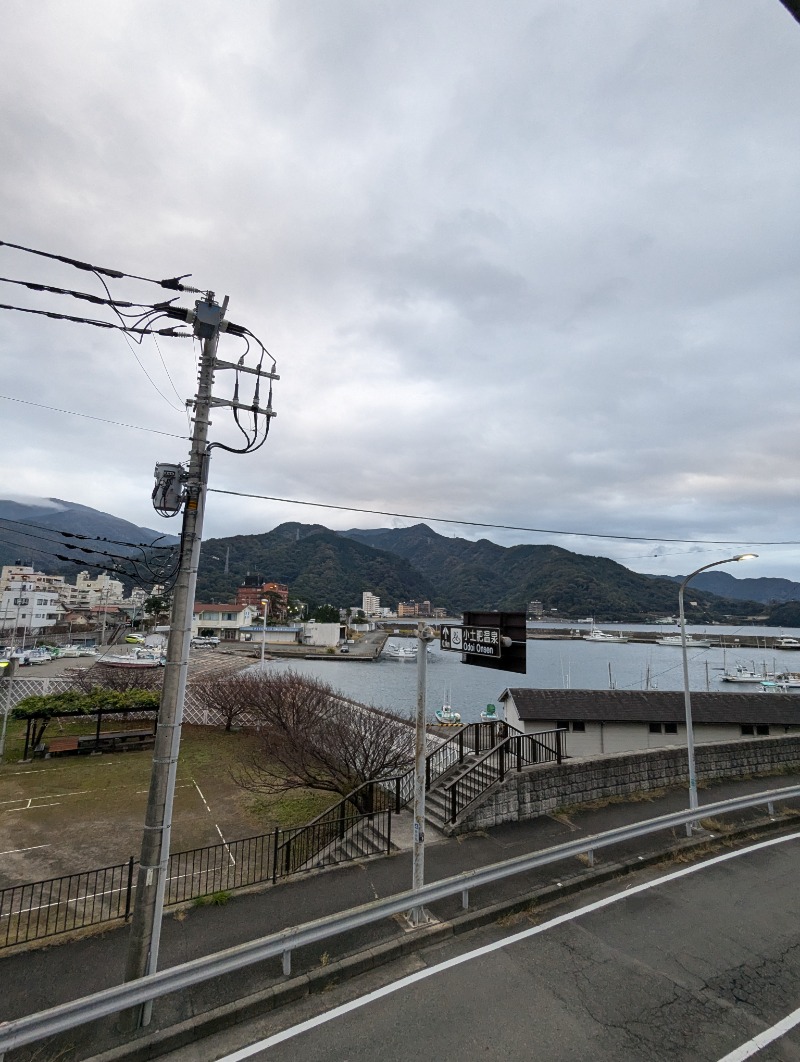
{"x":59,"y":746}
{"x":117,"y":741}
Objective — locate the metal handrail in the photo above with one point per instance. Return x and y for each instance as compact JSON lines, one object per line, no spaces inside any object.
{"x":78,"y":1012}
{"x":400,"y":786}
{"x":497,"y":760}
{"x":444,"y":750}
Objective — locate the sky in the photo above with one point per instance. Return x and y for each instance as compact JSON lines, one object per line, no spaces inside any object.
{"x":531,"y":264}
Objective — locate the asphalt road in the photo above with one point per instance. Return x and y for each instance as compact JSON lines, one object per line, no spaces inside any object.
{"x":686,"y":963}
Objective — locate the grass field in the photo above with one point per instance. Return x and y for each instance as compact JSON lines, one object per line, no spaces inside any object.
{"x":73,"y":813}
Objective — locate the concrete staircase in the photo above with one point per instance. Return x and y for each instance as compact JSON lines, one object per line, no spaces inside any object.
{"x":358,"y":843}
{"x":437,"y":803}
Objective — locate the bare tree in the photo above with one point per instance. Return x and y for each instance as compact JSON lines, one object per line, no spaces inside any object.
{"x":311,"y":739}
{"x":231,"y":696}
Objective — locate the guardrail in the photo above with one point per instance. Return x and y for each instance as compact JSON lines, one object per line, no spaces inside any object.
{"x":78,"y":1012}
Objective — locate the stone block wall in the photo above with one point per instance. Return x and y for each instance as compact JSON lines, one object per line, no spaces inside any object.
{"x":539,"y":790}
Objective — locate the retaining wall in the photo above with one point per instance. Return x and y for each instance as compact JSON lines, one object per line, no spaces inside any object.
{"x":534,"y":792}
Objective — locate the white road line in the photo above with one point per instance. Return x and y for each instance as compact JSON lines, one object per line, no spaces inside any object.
{"x":51,"y":770}
{"x":45,"y":796}
{"x":231,"y":860}
{"x":487,"y":949}
{"x":186,"y":785}
{"x":32,"y":807}
{"x":13,"y":851}
{"x":764,"y":1039}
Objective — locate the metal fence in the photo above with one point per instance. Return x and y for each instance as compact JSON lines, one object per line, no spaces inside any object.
{"x":59,"y":905}
{"x":514,"y":753}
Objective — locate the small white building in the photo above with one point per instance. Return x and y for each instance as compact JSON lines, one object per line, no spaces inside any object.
{"x":327,"y":634}
{"x":601,"y":722}
{"x":226,"y":622}
{"x":289,"y":634}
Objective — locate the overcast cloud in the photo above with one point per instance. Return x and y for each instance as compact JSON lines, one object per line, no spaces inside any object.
{"x":531,"y":263}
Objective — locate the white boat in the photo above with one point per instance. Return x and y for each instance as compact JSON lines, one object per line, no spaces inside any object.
{"x":789,"y":680}
{"x":393,"y":651}
{"x":489,"y":714}
{"x":445,"y":714}
{"x":787,"y":643}
{"x":39,"y":656}
{"x":596,"y":635}
{"x":691,"y":643}
{"x":742,"y":674}
{"x":142,"y":658}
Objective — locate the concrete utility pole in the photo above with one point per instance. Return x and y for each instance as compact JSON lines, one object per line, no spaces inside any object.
{"x":145,"y":935}
{"x":417,"y":915}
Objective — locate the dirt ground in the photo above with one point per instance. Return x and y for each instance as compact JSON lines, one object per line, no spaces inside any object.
{"x":73,"y":813}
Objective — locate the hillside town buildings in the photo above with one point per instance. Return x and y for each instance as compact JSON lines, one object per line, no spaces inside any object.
{"x":33,"y":602}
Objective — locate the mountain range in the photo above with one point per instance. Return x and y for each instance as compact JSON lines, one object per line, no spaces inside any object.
{"x":416,"y":563}
{"x":322,"y":566}
{"x":63,"y":538}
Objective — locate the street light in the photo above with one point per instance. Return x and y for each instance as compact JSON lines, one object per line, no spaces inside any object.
{"x":687,"y":697}
{"x":264,"y":603}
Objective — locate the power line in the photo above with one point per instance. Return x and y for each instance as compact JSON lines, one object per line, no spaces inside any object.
{"x":86,"y":538}
{"x":501,"y":527}
{"x":88,"y":416}
{"x":172,"y":332}
{"x":174,"y":283}
{"x":82,"y":295}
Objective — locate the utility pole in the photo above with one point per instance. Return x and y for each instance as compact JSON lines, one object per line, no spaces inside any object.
{"x":145,"y":935}
{"x":176,"y":488}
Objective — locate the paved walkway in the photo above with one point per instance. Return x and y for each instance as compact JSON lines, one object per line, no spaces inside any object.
{"x":44,"y":976}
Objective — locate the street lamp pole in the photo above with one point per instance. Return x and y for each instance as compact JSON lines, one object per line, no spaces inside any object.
{"x":687,"y":696}
{"x":263,"y":631}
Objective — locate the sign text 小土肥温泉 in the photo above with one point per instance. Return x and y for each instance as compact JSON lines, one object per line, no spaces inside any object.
{"x":482,"y":641}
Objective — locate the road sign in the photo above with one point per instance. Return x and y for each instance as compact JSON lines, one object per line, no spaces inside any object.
{"x":480,"y":641}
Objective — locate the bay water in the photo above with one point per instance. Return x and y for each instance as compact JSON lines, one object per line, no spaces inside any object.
{"x":551,"y":664}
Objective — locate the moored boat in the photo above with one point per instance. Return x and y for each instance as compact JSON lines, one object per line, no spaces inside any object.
{"x":787,"y":643}
{"x":393,"y":651}
{"x":445,"y":714}
{"x":691,"y":643}
{"x":742,"y":674}
{"x":142,"y":658}
{"x":596,"y":635}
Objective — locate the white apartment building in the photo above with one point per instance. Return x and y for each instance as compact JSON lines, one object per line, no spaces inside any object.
{"x":26,"y":601}
{"x":370,"y":603}
{"x":90,"y":592}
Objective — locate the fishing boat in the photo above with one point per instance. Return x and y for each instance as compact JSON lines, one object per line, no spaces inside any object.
{"x":784,"y":680}
{"x":142,"y":658}
{"x":691,"y":643}
{"x":39,"y":656}
{"x":596,"y":635}
{"x":445,"y":714}
{"x":393,"y":651}
{"x":743,"y":674}
{"x":489,"y":714}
